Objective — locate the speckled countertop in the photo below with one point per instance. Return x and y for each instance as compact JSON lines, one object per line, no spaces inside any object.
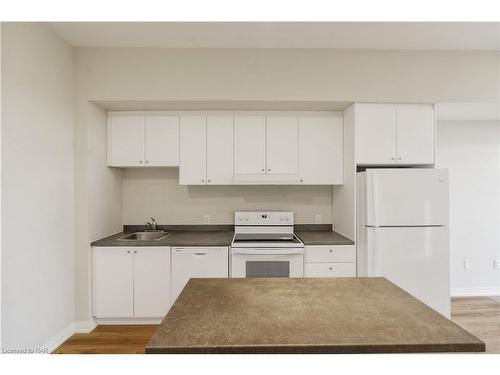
{"x":329,"y":315}
{"x":190,"y":238}
{"x":323,"y":237}
{"x":222,"y":235}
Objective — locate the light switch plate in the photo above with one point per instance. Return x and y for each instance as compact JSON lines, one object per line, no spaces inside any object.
{"x":467,"y":264}
{"x":318,"y":219}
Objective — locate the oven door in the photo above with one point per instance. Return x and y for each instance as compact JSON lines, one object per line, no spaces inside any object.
{"x":267,"y":262}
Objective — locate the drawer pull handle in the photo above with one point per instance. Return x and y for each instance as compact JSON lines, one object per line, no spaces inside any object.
{"x":331,"y":251}
{"x":331,"y":268}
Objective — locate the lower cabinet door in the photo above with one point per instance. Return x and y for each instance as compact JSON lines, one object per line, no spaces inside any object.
{"x":151,"y":282}
{"x":331,"y":270}
{"x":113,"y":282}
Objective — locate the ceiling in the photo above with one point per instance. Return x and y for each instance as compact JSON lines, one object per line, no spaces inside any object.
{"x":337,"y":35}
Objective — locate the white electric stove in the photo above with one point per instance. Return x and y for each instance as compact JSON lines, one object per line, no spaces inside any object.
{"x":264,"y":245}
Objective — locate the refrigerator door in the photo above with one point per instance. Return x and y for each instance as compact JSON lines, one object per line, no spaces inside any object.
{"x":406,"y":197}
{"x":416,"y":259}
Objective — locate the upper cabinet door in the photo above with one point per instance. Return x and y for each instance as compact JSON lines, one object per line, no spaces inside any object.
{"x":219,"y":150}
{"x":249,"y":144}
{"x":375,"y":134}
{"x":281,"y":144}
{"x":415,"y":134}
{"x":162,"y":141}
{"x":193,"y":150}
{"x":321,"y":150}
{"x":126,"y":141}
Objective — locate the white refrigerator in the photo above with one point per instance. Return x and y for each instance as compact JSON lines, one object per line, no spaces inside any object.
{"x":402,"y":231}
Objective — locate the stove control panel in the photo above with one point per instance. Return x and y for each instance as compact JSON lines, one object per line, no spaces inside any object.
{"x":263,"y":218}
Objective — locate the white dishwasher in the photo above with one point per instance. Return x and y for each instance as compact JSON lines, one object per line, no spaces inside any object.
{"x":197,"y":262}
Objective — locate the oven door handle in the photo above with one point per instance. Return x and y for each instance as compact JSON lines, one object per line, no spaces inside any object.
{"x":269,"y":252}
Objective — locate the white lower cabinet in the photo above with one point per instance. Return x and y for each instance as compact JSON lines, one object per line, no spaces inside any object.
{"x":131,"y":282}
{"x":330,"y":269}
{"x":151,"y":282}
{"x":113,"y":282}
{"x":193,"y":262}
{"x":330,"y":261}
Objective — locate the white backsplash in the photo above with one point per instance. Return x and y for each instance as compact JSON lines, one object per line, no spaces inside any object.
{"x":156,"y":192}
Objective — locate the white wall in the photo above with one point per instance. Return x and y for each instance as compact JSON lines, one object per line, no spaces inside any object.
{"x":287,"y":74}
{"x":470,"y":149}
{"x":37,"y":186}
{"x":156,"y":192}
{"x":98,"y":199}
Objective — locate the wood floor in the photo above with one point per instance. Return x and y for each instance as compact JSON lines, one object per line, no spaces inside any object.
{"x":481,"y":317}
{"x":478,"y":315}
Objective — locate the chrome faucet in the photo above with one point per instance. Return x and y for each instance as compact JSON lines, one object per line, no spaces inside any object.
{"x":152,"y":224}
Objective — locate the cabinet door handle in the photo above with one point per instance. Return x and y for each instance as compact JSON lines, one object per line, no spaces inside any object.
{"x":393,"y":159}
{"x":147,"y":161}
{"x":128,"y":251}
{"x":262,"y":169}
{"x":331,"y":250}
{"x":269,"y":169}
{"x":202,"y":180}
{"x":399,"y":158}
{"x":331,"y":268}
{"x":208,"y":181}
{"x":135,"y":251}
{"x":140,"y":161}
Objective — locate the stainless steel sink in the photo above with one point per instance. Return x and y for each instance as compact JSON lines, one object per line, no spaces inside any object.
{"x":144,"y":236}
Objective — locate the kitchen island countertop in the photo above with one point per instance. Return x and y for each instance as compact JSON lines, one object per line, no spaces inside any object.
{"x":324,"y":315}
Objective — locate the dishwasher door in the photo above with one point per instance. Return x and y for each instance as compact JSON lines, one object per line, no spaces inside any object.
{"x":197,"y":262}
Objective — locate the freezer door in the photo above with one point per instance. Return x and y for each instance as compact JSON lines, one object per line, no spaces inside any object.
{"x":416,"y":259}
{"x":406,"y":197}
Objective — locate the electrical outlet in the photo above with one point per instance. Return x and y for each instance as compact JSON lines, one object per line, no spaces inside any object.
{"x":496,"y":264}
{"x":467,"y":264}
{"x":207,"y":219}
{"x":318,"y":219}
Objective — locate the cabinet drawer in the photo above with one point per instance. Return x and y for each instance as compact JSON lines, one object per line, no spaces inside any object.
{"x":331,"y":270}
{"x":318,"y":254}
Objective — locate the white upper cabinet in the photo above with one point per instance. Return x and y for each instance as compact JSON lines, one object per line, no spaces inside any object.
{"x":249,"y":144}
{"x":415,"y":134}
{"x":126,"y":141}
{"x":394,"y":134}
{"x":219,"y":150}
{"x":162,"y":141}
{"x":375,"y":134}
{"x":281,"y":144}
{"x":321,"y":149}
{"x":193,"y":150}
{"x":245,"y":148}
{"x":135,"y":140}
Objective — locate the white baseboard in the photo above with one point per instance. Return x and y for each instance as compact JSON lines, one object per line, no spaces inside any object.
{"x":476,"y":291}
{"x":125,"y":321}
{"x":61,"y":337}
{"x":85,"y":326}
